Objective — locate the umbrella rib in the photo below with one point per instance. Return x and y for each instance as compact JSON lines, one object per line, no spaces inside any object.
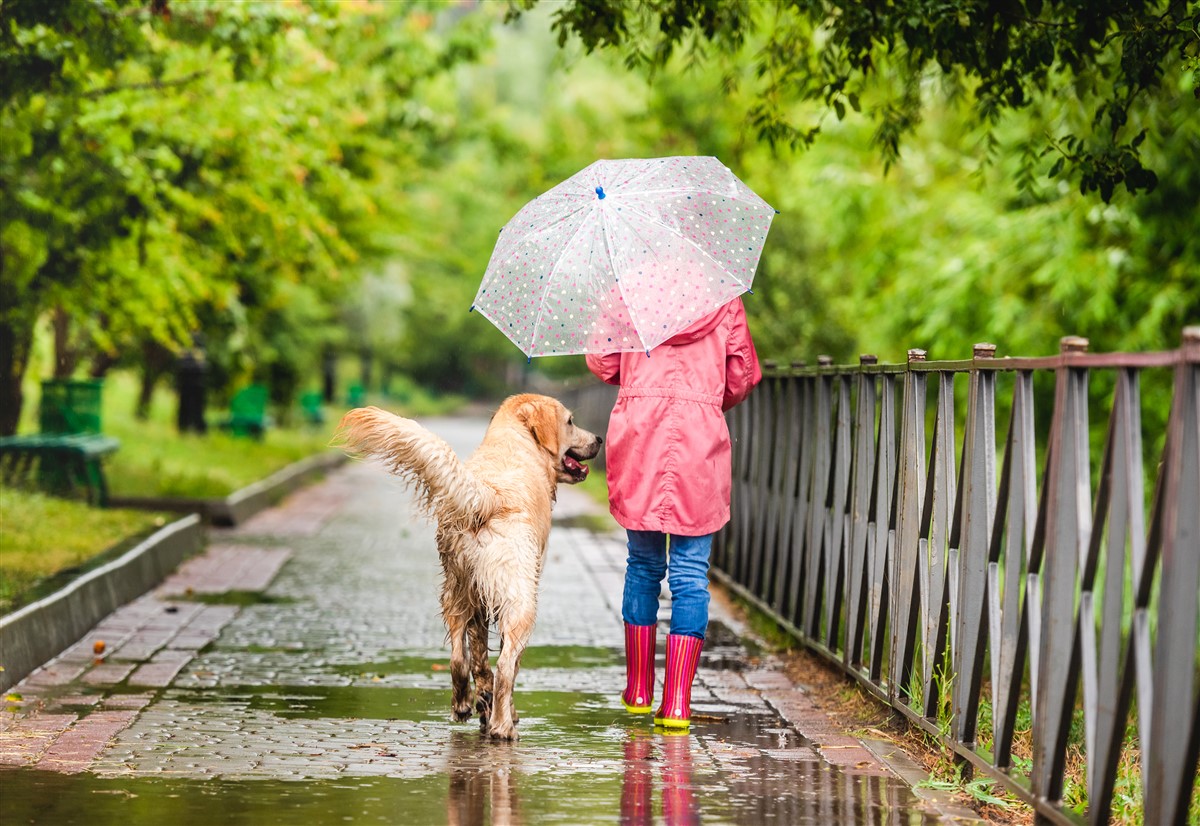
{"x":687,"y":240}
{"x":612,"y":265}
{"x":554,"y":271}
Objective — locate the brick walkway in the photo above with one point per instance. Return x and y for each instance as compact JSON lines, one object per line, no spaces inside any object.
{"x":306,"y":645}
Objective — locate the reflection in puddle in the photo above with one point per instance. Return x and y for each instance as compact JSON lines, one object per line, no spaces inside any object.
{"x":670,"y":772}
{"x":482,"y":791}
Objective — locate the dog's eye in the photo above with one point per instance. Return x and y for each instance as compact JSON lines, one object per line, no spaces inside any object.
{"x":570,"y":421}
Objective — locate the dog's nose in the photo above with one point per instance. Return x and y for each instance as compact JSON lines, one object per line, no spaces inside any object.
{"x":599,"y":440}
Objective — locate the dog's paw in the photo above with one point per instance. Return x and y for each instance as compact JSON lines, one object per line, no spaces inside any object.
{"x":461,"y":714}
{"x":484,"y":703}
{"x":506,"y":733}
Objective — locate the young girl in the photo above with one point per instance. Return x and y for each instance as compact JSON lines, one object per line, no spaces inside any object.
{"x":669,"y":477}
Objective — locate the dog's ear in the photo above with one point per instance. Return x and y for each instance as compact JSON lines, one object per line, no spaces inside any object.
{"x":542,"y":421}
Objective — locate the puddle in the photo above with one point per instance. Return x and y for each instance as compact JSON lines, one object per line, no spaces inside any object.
{"x":241,"y":599}
{"x":535,"y":657}
{"x":380,"y":754}
{"x":577,"y":765}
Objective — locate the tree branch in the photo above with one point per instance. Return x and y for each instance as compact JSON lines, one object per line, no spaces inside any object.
{"x":150,"y":84}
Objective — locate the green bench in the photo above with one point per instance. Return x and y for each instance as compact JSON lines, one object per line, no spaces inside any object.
{"x":60,"y":462}
{"x":248,"y":412}
{"x":312,"y":407}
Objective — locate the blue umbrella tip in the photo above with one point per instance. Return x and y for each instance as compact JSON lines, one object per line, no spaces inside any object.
{"x":472,"y":309}
{"x":776,"y":212}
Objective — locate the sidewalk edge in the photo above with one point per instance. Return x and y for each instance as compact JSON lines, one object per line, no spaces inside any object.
{"x":36,"y":633}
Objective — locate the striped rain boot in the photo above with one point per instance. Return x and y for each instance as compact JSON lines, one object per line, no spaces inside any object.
{"x":683,"y":655}
{"x":639,"y":668}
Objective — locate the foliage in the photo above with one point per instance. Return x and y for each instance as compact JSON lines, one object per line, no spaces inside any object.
{"x":1118,"y":59}
{"x":201,"y":166}
{"x":304,"y":178}
{"x":937,"y":250}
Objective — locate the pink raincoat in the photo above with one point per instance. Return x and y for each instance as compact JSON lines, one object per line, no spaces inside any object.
{"x":669,"y":456}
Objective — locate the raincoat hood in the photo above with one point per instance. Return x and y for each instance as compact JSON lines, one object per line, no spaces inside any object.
{"x":699,"y":329}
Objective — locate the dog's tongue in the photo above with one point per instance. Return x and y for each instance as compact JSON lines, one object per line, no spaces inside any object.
{"x":575,"y":467}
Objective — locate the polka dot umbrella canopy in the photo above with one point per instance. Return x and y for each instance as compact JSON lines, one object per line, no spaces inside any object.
{"x":623,"y":255}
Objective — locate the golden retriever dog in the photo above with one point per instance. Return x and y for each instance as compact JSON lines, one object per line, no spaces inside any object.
{"x":493,"y":521}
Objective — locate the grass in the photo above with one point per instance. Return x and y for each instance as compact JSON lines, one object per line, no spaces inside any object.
{"x":42,"y":537}
{"x":156,"y":460}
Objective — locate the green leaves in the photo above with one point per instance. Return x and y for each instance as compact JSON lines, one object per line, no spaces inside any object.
{"x":231,"y":166}
{"x":1124,"y":60}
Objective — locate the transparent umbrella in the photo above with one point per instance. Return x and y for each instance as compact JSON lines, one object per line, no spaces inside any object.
{"x":623,"y":255}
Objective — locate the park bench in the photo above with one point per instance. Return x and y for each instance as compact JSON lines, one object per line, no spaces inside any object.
{"x":59,"y":462}
{"x":312,"y":407}
{"x":248,"y":412}
{"x":67,"y":454}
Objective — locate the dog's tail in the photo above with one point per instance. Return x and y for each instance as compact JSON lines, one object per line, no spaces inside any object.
{"x":443,"y":485}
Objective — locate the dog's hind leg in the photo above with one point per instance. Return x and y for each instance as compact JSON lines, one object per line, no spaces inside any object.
{"x":456,"y":614}
{"x":514,"y":636}
{"x":460,"y":675}
{"x":481,"y":670}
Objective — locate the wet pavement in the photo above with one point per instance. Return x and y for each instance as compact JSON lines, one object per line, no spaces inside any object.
{"x":297,"y":672}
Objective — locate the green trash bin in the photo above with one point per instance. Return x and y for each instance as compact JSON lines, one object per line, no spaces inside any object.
{"x":70,"y":406}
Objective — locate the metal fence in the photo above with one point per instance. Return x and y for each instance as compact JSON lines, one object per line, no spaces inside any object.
{"x":981,"y":588}
{"x":1022,"y":600}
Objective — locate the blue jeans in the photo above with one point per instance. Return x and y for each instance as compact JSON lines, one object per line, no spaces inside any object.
{"x":687,"y":576}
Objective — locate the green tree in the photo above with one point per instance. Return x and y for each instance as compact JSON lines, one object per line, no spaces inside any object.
{"x":226,"y":166}
{"x":1116,"y":58}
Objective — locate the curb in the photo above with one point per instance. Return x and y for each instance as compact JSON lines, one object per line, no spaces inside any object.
{"x":241,"y":504}
{"x":39,"y":632}
{"x":35,"y":634}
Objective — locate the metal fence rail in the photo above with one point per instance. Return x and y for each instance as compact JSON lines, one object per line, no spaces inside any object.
{"x":983,"y":589}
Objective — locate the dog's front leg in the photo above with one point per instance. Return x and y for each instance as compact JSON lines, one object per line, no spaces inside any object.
{"x":513,"y":639}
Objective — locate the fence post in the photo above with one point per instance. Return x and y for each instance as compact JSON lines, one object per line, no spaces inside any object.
{"x":1171,"y":742}
{"x":906,"y":531}
{"x":862,"y":468}
{"x":978,"y":507}
{"x":1068,"y":525}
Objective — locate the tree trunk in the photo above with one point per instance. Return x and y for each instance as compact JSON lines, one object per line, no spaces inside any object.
{"x":14,"y":358}
{"x":102,"y":360}
{"x":156,"y":361}
{"x":66,"y":357}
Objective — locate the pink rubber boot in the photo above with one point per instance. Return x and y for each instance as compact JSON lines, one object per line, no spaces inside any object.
{"x":639,"y":668}
{"x":683,"y":655}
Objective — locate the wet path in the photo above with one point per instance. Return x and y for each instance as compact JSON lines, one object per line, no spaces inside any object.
{"x":297,"y":673}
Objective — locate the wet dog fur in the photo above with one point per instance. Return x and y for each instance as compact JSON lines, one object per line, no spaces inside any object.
{"x":493,"y":517}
